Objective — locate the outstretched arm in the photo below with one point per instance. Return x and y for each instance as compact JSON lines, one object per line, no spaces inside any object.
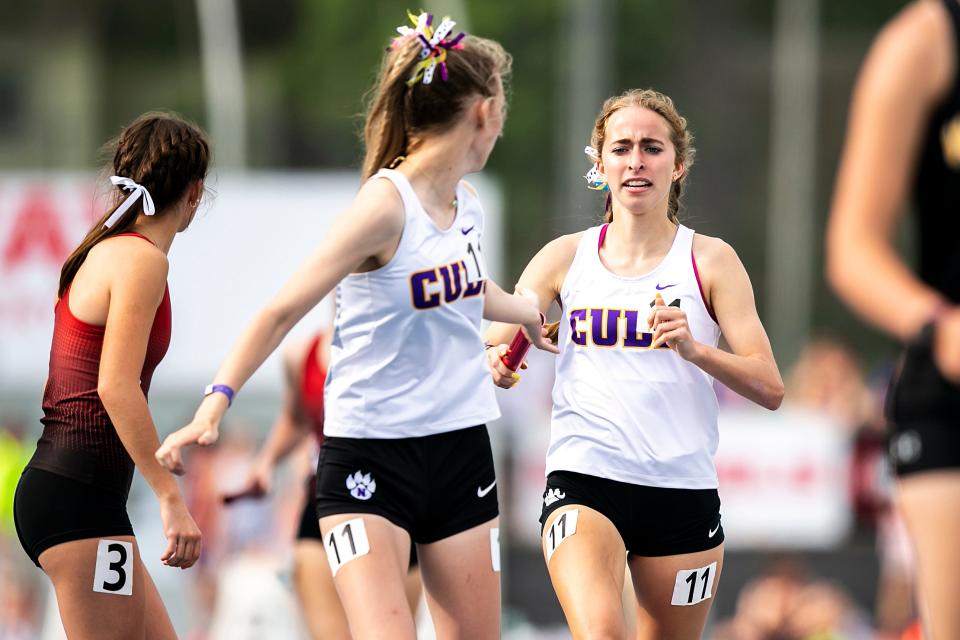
{"x":289,"y":429}
{"x":521,"y":308}
{"x":542,"y":277}
{"x":370,"y":228}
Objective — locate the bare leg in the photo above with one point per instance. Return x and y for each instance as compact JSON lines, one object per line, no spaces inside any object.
{"x":317,"y":593}
{"x":463,"y":590}
{"x":414,"y":589}
{"x":587,"y":574}
{"x":930,"y":505}
{"x":371,"y":586}
{"x":85,"y":612}
{"x":654,"y":580}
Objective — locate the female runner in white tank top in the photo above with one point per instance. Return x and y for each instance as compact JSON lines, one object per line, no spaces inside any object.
{"x":634,"y":428}
{"x":405,"y":458}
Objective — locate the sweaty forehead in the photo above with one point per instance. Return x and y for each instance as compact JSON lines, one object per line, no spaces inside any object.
{"x":637,"y":123}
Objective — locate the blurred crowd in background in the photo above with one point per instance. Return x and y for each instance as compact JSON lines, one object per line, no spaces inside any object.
{"x":71,"y":74}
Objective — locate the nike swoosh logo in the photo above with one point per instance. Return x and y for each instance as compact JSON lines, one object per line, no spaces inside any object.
{"x":482,"y":492}
{"x":714,"y":532}
{"x":659,"y":288}
{"x":467,"y":230}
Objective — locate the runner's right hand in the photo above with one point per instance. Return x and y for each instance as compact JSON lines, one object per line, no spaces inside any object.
{"x":502,"y":376}
{"x":182,"y":533}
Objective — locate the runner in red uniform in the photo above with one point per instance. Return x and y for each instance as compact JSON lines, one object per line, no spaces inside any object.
{"x":111,"y":329}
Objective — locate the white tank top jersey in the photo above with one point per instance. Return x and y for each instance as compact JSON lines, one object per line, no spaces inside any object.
{"x":407,"y":358}
{"x":621,"y":410}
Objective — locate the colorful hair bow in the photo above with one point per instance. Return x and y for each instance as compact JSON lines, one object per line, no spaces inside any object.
{"x":435,"y":45}
{"x":595,"y":178}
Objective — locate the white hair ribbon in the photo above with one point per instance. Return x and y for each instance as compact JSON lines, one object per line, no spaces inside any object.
{"x":136,"y":191}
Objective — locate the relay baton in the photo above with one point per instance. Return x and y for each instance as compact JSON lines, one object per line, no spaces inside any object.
{"x":519,"y":346}
{"x":516,"y":351}
{"x":249,"y":493}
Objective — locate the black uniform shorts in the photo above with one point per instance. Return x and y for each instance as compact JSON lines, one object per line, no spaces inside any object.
{"x":923,"y":409}
{"x":50,"y":509}
{"x":432,"y":486}
{"x":652,"y":521}
{"x":310,"y":524}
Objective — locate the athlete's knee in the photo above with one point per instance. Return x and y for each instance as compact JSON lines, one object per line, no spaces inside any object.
{"x":601,"y":627}
{"x":602,"y":633}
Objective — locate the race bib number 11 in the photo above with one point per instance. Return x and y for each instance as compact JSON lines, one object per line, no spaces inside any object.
{"x":694,"y":585}
{"x":347,"y":541}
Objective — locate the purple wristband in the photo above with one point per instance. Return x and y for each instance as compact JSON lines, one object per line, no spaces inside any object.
{"x":220,"y":388}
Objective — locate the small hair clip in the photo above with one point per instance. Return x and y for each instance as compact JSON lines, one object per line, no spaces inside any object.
{"x":595,"y":178}
{"x":434,"y":45}
{"x":136,"y":190}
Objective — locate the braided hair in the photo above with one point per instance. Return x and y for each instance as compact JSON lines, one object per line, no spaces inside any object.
{"x":161,"y":151}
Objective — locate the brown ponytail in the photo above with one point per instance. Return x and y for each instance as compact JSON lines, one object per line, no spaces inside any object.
{"x":160,"y":151}
{"x":397,"y":112}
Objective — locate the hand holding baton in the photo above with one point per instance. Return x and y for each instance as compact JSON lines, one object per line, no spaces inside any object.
{"x":520,"y":345}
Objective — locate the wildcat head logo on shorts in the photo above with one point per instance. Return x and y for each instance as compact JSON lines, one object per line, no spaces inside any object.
{"x":553,"y":495}
{"x":361,"y":486}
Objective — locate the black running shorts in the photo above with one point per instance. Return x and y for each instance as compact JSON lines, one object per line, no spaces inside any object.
{"x":923,"y":409}
{"x":652,"y":521}
{"x":309,"y":523}
{"x":432,"y":486}
{"x":50,"y":509}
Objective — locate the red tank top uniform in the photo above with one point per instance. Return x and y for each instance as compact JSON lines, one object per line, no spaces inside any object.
{"x":311,"y":388}
{"x":79,"y":440}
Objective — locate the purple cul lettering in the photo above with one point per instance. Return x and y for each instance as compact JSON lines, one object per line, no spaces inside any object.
{"x":633,"y":337}
{"x":577,"y":336}
{"x":418,"y":288}
{"x":605,"y":334}
{"x":452,"y":286}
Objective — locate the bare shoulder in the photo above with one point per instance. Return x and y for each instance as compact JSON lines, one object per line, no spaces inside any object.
{"x":548,"y":269}
{"x":713,"y":254}
{"x":722,"y":275}
{"x":379,"y":203}
{"x":131,"y":257}
{"x":919,"y":38}
{"x":564,"y":248}
{"x":919,"y":20}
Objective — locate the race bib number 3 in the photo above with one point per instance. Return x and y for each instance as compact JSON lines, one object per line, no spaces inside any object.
{"x":495,"y":548}
{"x":693,"y":585}
{"x":114,"y":571}
{"x":347,"y":541}
{"x":561,"y":529}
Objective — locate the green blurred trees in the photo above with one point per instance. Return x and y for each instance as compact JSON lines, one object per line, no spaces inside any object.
{"x":308,"y":63}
